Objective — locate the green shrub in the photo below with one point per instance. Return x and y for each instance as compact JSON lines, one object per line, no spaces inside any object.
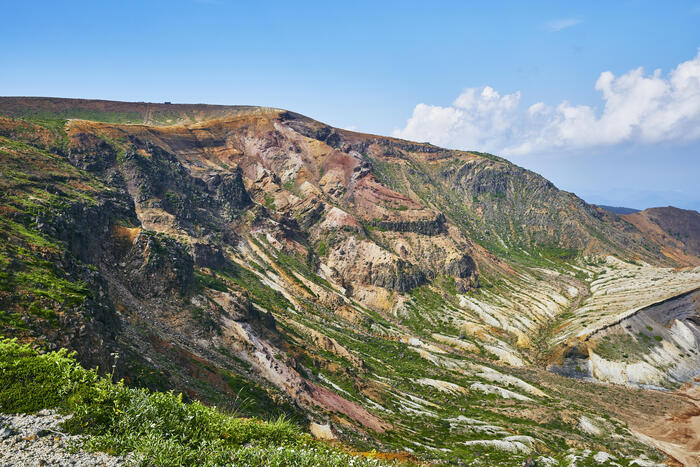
{"x":157,"y":427}
{"x":30,"y":382}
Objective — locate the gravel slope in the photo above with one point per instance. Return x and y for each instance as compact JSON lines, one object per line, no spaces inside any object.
{"x":36,"y":440}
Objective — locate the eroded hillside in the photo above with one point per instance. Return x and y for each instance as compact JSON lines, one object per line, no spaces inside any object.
{"x":409,"y":297}
{"x":677,"y":231}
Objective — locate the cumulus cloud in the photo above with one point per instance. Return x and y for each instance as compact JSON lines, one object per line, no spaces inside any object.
{"x":478,"y":117}
{"x":559,"y":24}
{"x":636,"y":107}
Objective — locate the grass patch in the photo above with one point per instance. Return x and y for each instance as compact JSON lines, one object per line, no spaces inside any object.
{"x":158,"y":427}
{"x":34,"y":287}
{"x":626,"y":347}
{"x":269,"y":202}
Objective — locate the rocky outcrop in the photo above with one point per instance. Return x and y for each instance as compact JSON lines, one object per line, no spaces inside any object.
{"x":39,"y":439}
{"x":430,"y":227}
{"x":229,"y":189}
{"x":161,"y":181}
{"x":463,"y":267}
{"x":207,"y":255}
{"x":91,"y":153}
{"x":400,"y":276}
{"x":310,"y":213}
{"x":156,"y":265}
{"x":658,"y":345}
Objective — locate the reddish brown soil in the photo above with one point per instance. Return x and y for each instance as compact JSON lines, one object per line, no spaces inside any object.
{"x":676,"y":231}
{"x":678,"y":433}
{"x":332,"y":401}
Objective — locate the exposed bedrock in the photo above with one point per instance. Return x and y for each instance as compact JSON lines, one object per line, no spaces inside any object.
{"x":435,"y":226}
{"x":658,"y":346}
{"x":400,"y":276}
{"x":229,"y":189}
{"x":91,"y":153}
{"x":310,"y":213}
{"x":462,"y":267}
{"x":207,"y":255}
{"x":156,"y":265}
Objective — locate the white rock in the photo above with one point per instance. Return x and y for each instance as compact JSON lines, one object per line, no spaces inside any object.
{"x":602,"y":457}
{"x":319,"y":431}
{"x":589,"y":427}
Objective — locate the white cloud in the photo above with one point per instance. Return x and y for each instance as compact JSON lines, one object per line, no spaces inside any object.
{"x":478,"y":117}
{"x":559,"y":24}
{"x":637,"y":107}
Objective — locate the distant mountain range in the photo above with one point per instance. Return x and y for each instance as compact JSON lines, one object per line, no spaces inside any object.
{"x":671,"y":227}
{"x":619,"y":210}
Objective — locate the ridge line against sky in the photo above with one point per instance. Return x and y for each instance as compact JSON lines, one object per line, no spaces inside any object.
{"x":527,"y":80}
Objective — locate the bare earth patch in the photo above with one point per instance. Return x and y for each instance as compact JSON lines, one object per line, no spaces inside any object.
{"x":677,"y":433}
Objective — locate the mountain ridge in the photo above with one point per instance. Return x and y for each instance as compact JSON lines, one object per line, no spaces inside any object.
{"x":346,"y":279}
{"x":619,"y":209}
{"x":147,"y":113}
{"x":677,"y":229}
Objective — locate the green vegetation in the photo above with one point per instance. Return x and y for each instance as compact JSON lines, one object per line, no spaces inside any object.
{"x":488,"y":156}
{"x":290,"y":185}
{"x":159,"y":428}
{"x":626,"y":347}
{"x":269,"y":202}
{"x":36,"y":285}
{"x":322,"y":248}
{"x":30,"y":382}
{"x":209,"y":281}
{"x":260,"y":293}
{"x":557,"y":253}
{"x":56,"y":140}
{"x":237,"y":276}
{"x":173,"y":203}
{"x":83,"y":114}
{"x":251,"y":398}
{"x":204,"y":320}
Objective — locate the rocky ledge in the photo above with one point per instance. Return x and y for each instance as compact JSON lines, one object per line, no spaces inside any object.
{"x":431,"y":226}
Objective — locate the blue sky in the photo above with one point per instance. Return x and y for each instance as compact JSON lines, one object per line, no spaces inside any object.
{"x":460,"y":74}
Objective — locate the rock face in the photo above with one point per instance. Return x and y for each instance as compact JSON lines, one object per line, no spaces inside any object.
{"x":462,"y":267}
{"x":260,"y":260}
{"x":657,"y":346}
{"x":424,"y":227}
{"x":399,"y":276}
{"x":156,"y":266}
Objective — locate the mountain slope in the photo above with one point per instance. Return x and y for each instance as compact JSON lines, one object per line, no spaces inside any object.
{"x":677,"y":231}
{"x":258,"y":258}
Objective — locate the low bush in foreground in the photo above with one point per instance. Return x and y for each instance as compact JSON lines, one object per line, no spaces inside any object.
{"x":159,"y":428}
